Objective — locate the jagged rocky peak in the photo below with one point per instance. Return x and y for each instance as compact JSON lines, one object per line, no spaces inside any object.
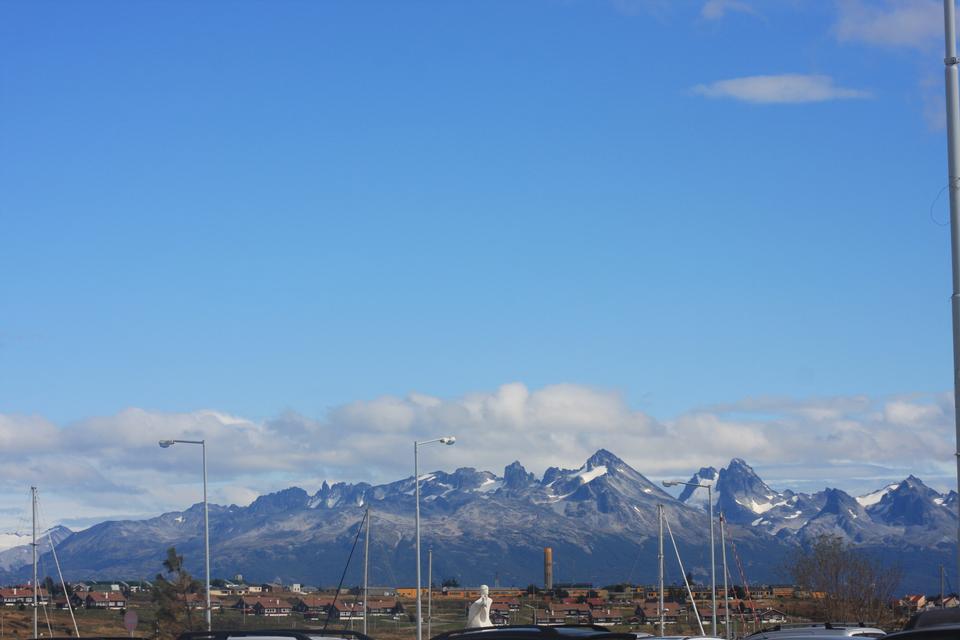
{"x":841,"y":503}
{"x":516,"y":477}
{"x":339,"y":494}
{"x":551,"y":475}
{"x":911,"y":502}
{"x":603,"y":458}
{"x":740,"y":479}
{"x":469,"y":479}
{"x":742,"y":495}
{"x":950,"y":500}
{"x":285,"y":500}
{"x":698,"y":495}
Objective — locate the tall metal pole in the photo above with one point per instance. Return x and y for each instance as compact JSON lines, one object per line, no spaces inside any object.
{"x":206,"y":517}
{"x":416,"y":483}
{"x":660,"y":561}
{"x":429,"y":592}
{"x":366,"y":560}
{"x":953,"y":167}
{"x":206,"y":534}
{"x":36,"y":602}
{"x":713,"y":564}
{"x":726,"y":587}
{"x":941,"y":586}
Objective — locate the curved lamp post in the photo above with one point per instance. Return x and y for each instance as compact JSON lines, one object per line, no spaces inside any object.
{"x":416,"y":481}
{"x":713,"y":564}
{"x":166,"y":444}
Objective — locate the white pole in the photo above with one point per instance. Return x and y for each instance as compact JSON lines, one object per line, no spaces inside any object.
{"x":366,"y":560}
{"x":206,"y":534}
{"x":36,"y":603}
{"x":685,"y":581}
{"x":953,"y":167}
{"x":660,"y":559}
{"x":726,"y":588}
{"x":429,"y":592}
{"x":713,"y":563}
{"x":416,"y":483}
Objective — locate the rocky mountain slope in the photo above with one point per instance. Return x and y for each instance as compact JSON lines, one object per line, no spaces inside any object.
{"x":600,"y":520}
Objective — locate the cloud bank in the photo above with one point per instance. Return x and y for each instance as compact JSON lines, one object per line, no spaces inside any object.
{"x":779,"y":89}
{"x":111,"y":466}
{"x":893,"y":23}
{"x":718,"y":9}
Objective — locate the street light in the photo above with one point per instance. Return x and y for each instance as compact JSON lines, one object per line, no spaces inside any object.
{"x":166,"y":444}
{"x":416,"y":482}
{"x":713,"y":564}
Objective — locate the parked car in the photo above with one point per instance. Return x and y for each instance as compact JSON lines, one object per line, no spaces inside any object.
{"x":939,"y":632}
{"x":812,"y":631}
{"x":933,"y":618}
{"x":936,"y":624}
{"x":537,"y":632}
{"x":275,"y":634}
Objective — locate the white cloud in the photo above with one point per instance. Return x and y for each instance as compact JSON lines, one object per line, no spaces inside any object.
{"x":779,"y":89}
{"x":717,"y":9}
{"x":891,"y":23}
{"x":111,"y":466}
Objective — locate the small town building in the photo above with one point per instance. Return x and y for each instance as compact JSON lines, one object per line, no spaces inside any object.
{"x":105,"y":600}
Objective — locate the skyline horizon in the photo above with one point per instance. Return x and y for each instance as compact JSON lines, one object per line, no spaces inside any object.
{"x":856,"y":486}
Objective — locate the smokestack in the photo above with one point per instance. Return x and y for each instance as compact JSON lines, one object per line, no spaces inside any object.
{"x":548,"y":568}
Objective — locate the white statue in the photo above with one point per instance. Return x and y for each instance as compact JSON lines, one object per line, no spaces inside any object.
{"x":479,"y":614}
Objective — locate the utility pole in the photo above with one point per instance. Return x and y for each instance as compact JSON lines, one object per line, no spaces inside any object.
{"x":726,"y":587}
{"x":33,"y":545}
{"x":429,"y":591}
{"x":366,"y":560}
{"x":941,"y":586}
{"x":953,"y":167}
{"x":660,"y":562}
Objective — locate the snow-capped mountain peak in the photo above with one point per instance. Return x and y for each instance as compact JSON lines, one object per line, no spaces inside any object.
{"x":874,"y":497}
{"x":698,"y":495}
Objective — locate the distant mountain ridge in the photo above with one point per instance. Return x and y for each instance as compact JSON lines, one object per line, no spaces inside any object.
{"x":600,"y":518}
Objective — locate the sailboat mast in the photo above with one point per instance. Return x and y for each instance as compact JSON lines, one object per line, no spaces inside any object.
{"x":33,"y":545}
{"x":726,"y":587}
{"x":429,"y":591}
{"x":366,"y":558}
{"x":941,"y":587}
{"x":660,"y":562}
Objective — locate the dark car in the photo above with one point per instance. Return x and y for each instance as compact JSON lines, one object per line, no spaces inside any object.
{"x":536,"y":632}
{"x":936,"y":624}
{"x":275,"y":634}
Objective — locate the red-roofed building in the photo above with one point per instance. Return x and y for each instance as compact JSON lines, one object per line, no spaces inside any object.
{"x":105,"y":600}
{"x":271,"y":607}
{"x":12,"y":596}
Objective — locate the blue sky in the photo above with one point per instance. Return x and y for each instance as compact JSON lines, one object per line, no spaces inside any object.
{"x":277,"y":208}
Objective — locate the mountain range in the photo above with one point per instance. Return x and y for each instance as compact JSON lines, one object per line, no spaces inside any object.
{"x":600,"y":519}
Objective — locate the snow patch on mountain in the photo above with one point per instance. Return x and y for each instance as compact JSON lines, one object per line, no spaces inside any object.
{"x":588,"y":476}
{"x":876,"y":496}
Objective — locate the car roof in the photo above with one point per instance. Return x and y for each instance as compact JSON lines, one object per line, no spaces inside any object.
{"x":938,"y":632}
{"x":296,"y":634}
{"x":538,"y":631}
{"x":814,"y":630}
{"x":933,"y":617}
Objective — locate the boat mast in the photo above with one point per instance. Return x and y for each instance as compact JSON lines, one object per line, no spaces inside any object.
{"x":660,"y":562}
{"x":366,"y":557}
{"x":726,"y":588}
{"x":33,"y":545}
{"x":941,"y":586}
{"x":429,"y":590}
{"x":953,"y":170}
